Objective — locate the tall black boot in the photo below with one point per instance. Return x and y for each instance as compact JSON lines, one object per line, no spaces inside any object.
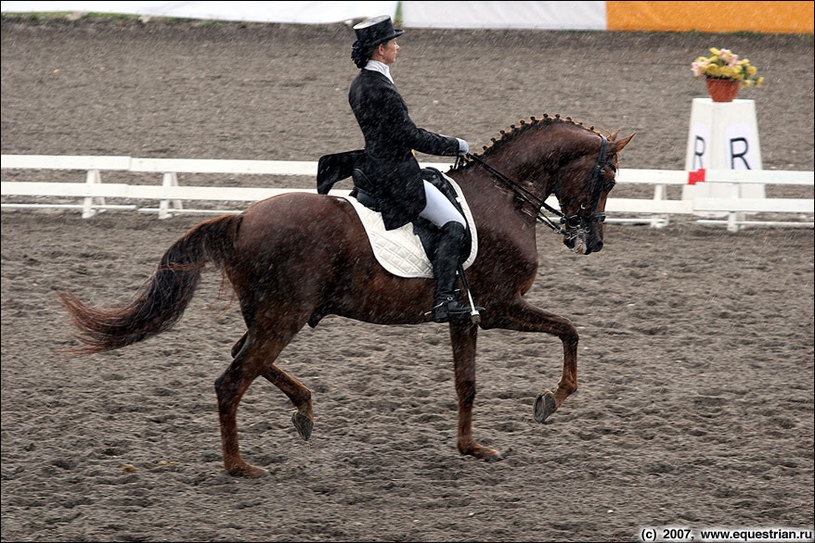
{"x":448,"y":255}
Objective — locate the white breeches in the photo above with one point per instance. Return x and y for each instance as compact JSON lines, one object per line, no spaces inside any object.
{"x":439,"y":210}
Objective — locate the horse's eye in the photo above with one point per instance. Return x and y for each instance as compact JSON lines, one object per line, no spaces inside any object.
{"x":611,"y":182}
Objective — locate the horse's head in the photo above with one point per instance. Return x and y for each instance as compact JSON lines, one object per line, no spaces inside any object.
{"x":556,"y":156}
{"x":582,"y":187}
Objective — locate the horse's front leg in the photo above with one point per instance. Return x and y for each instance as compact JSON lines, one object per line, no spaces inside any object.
{"x":524,"y":317}
{"x":463,"y":337}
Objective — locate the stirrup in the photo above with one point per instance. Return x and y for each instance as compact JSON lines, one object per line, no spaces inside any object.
{"x":451,"y":309}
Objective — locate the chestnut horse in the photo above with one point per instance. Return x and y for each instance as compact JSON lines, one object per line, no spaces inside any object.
{"x":297,"y":257}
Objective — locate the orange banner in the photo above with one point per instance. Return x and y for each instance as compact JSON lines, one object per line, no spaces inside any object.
{"x":767,"y":17}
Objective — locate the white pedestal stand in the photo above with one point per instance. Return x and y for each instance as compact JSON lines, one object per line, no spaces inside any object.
{"x":723,"y":136}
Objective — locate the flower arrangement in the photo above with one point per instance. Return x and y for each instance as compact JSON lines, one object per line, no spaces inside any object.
{"x":723,"y":64}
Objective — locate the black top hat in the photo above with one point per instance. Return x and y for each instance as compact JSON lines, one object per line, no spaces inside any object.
{"x":375,"y":31}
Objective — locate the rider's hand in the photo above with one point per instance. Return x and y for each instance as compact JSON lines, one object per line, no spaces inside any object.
{"x":463,"y":147}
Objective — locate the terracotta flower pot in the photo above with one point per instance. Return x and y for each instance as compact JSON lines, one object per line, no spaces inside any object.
{"x":722,"y":90}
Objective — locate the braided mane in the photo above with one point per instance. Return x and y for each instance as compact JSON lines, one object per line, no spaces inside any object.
{"x":514,"y":131}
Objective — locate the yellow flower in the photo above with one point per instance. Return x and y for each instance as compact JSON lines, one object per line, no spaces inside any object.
{"x":725,"y":64}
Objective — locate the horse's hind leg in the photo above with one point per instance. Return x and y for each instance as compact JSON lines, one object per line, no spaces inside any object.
{"x":300,"y":396}
{"x":463,"y":337}
{"x":253,"y":358}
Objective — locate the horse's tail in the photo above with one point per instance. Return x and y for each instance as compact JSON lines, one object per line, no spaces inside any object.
{"x":162,"y":299}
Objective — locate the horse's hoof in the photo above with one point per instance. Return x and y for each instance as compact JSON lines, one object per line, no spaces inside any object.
{"x":303,"y":424}
{"x":482,"y":453}
{"x":250,"y":472}
{"x":497,"y":457}
{"x":545,"y":405}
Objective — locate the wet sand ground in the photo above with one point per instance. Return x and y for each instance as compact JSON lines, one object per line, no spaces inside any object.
{"x":696,"y":356}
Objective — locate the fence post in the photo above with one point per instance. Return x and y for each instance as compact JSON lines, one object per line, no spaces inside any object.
{"x":659,"y":221}
{"x":734,"y":217}
{"x":165,"y":206}
{"x":92,"y":178}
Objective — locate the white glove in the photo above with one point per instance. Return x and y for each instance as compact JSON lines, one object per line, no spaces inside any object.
{"x":463,"y":147}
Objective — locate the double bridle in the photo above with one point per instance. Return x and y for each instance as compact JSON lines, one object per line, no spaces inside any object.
{"x":586,"y":214}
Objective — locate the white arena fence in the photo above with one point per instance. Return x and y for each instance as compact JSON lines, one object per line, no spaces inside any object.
{"x":92,"y":195}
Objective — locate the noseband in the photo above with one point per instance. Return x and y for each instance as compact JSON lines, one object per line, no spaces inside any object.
{"x":585,"y":216}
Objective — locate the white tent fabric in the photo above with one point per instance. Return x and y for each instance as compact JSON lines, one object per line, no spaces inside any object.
{"x":587,"y":15}
{"x":519,"y":15}
{"x":269,"y":12}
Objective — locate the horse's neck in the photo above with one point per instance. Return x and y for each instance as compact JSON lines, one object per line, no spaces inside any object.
{"x":497,"y":210}
{"x":520,"y":169}
{"x":501,"y":214}
{"x":533,"y":158}
{"x":487,"y":193}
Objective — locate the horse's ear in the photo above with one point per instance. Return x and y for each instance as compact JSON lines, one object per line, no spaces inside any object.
{"x":620,"y":145}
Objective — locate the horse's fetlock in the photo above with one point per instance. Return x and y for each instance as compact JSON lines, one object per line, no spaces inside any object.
{"x":465,"y":447}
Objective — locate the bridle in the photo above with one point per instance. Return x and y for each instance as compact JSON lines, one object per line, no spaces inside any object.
{"x":586,"y":214}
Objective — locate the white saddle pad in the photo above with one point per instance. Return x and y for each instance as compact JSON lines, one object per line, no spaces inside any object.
{"x":400,"y":251}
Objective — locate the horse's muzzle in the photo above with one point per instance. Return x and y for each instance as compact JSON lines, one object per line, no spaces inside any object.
{"x":595,"y":246}
{"x":583,"y":241}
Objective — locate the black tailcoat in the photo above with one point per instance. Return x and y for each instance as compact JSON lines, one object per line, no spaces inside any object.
{"x":390,"y":136}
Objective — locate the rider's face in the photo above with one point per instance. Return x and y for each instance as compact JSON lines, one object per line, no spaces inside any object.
{"x":388,"y":51}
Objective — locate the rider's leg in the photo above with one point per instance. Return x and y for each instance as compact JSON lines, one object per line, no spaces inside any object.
{"x":450,"y":252}
{"x":438,"y":209}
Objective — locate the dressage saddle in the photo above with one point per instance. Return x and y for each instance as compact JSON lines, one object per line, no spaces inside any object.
{"x":336,"y":167}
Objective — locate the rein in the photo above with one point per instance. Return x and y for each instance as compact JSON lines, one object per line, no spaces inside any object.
{"x":585,"y":215}
{"x":524,"y":195}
